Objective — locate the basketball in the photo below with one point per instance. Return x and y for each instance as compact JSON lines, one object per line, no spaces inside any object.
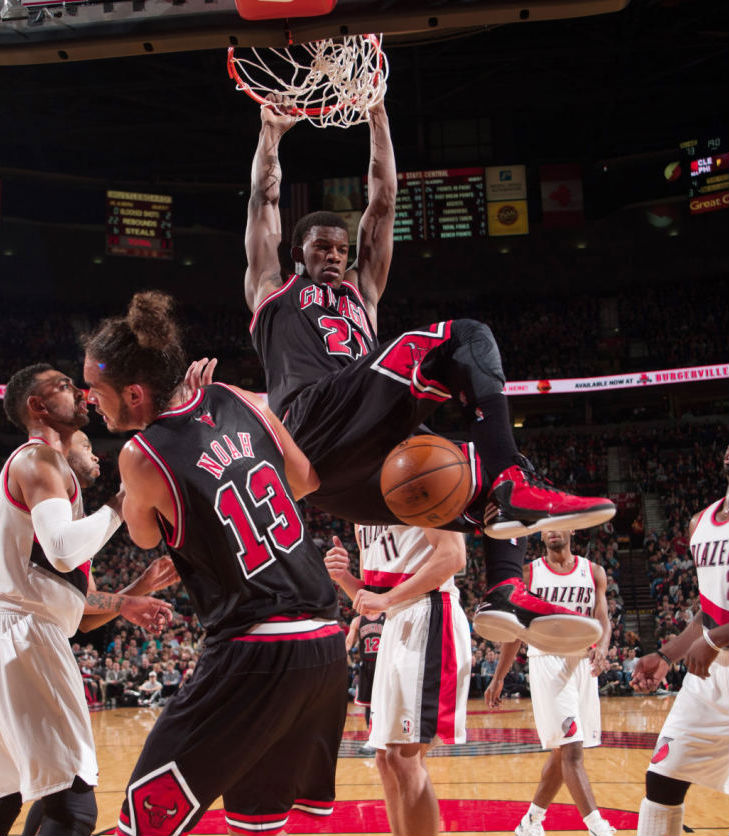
{"x":426,"y":481}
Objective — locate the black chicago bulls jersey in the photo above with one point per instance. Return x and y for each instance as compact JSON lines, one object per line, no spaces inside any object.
{"x":238,"y":540}
{"x":370,"y":632}
{"x":304,"y":331}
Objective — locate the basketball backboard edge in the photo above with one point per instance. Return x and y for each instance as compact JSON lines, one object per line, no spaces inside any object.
{"x":79,"y":31}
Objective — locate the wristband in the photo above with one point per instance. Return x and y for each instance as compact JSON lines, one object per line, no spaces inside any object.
{"x":664,"y":657}
{"x":712,"y":644}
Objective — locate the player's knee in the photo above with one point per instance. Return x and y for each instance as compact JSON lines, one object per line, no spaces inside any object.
{"x":477,"y":369}
{"x":9,"y":809}
{"x":71,"y":812}
{"x":381,"y":762}
{"x":571,"y":754}
{"x":404,"y":760}
{"x":660,"y":789}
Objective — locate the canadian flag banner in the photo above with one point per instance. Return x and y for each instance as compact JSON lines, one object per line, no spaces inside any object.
{"x":562,"y":203}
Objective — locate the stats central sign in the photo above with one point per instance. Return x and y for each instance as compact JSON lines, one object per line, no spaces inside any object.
{"x":139,"y":224}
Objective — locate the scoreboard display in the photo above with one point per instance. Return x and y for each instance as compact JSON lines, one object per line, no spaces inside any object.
{"x":139,"y":224}
{"x":455,"y":203}
{"x":442,"y":203}
{"x":706,"y":162}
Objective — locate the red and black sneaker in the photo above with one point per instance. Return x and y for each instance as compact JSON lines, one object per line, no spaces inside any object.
{"x":510,"y":612}
{"x":529,"y":503}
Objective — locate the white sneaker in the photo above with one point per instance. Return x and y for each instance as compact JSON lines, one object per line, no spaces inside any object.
{"x":529,"y":828}
{"x":603,"y":828}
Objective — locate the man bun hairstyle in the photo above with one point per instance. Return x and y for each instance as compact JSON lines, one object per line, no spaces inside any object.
{"x":304,"y":224}
{"x":150,"y":318}
{"x":20,"y":387}
{"x":142,"y":347}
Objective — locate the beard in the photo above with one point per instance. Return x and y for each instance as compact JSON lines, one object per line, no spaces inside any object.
{"x":86,"y":472}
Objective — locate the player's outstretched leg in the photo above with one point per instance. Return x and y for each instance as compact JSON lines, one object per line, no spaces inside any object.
{"x":510,"y":612}
{"x":467,"y":364}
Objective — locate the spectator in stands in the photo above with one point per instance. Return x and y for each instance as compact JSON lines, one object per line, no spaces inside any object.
{"x":150,"y":690}
{"x":171,"y":679}
{"x":488,"y":667}
{"x":476,"y":688}
{"x":628,"y":666}
{"x":115,"y":679}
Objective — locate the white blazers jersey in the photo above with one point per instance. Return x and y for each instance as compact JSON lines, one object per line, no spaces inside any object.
{"x":29,"y":584}
{"x":390,"y":554}
{"x":574,"y":590}
{"x":710,"y":551}
{"x":692,"y":745}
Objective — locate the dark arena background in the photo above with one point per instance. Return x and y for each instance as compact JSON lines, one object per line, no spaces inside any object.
{"x":603,"y":270}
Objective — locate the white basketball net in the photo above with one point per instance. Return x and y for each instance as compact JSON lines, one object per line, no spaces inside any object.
{"x":328,"y":82}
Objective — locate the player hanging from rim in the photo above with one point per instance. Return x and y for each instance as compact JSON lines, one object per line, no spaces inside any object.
{"x":347,"y":401}
{"x":46,"y":546}
{"x":261,"y":719}
{"x":564,"y":690}
{"x":693,"y":745}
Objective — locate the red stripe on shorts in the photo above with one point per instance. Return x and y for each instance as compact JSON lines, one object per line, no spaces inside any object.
{"x":449,"y":676}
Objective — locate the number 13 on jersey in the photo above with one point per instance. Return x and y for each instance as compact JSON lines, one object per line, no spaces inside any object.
{"x":267,"y":502}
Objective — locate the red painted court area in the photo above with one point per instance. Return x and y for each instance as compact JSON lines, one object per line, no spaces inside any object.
{"x":457,"y":816}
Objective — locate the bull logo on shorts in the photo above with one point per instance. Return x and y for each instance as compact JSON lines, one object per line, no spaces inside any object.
{"x":660,"y":753}
{"x":569,"y":727}
{"x":417,"y":352}
{"x":157,"y":813}
{"x":407,"y":352}
{"x":161,"y":803}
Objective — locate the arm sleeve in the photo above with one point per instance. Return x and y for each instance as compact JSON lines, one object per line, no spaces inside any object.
{"x":67,"y":542}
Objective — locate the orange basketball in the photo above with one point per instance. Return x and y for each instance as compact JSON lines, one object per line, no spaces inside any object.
{"x":426,"y":481}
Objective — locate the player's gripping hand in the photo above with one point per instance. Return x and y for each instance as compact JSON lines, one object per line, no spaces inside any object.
{"x":199,"y":373}
{"x":159,"y":574}
{"x":336,"y":561}
{"x":370,"y":603}
{"x":648,"y":673}
{"x":699,"y":657}
{"x":492,"y":695}
{"x":598,"y":661}
{"x":152,"y":614}
{"x":277,"y":113}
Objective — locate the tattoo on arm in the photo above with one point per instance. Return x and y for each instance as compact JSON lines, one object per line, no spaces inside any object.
{"x":104,"y":601}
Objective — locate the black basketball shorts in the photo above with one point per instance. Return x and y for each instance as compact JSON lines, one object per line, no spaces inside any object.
{"x":347,"y":422}
{"x":259,"y":723}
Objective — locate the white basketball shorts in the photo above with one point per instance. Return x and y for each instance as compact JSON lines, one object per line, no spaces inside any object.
{"x":45,"y":733}
{"x":565,"y":701}
{"x":423,"y":673}
{"x":693,"y":744}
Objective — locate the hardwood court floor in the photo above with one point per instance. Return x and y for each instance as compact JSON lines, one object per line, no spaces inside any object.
{"x":484,"y":786}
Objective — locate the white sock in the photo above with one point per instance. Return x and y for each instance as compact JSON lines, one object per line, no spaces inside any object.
{"x":659,"y":818}
{"x":592,"y":818}
{"x":535,"y":813}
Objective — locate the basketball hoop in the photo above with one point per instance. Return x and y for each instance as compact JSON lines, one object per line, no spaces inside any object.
{"x":328,"y":83}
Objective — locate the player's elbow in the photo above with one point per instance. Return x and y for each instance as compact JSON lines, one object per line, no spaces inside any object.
{"x":145,"y":540}
{"x":456,"y":559}
{"x":459,"y":562}
{"x":307,"y":484}
{"x":86,"y":625}
{"x":382,"y":204}
{"x":63,"y":560}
